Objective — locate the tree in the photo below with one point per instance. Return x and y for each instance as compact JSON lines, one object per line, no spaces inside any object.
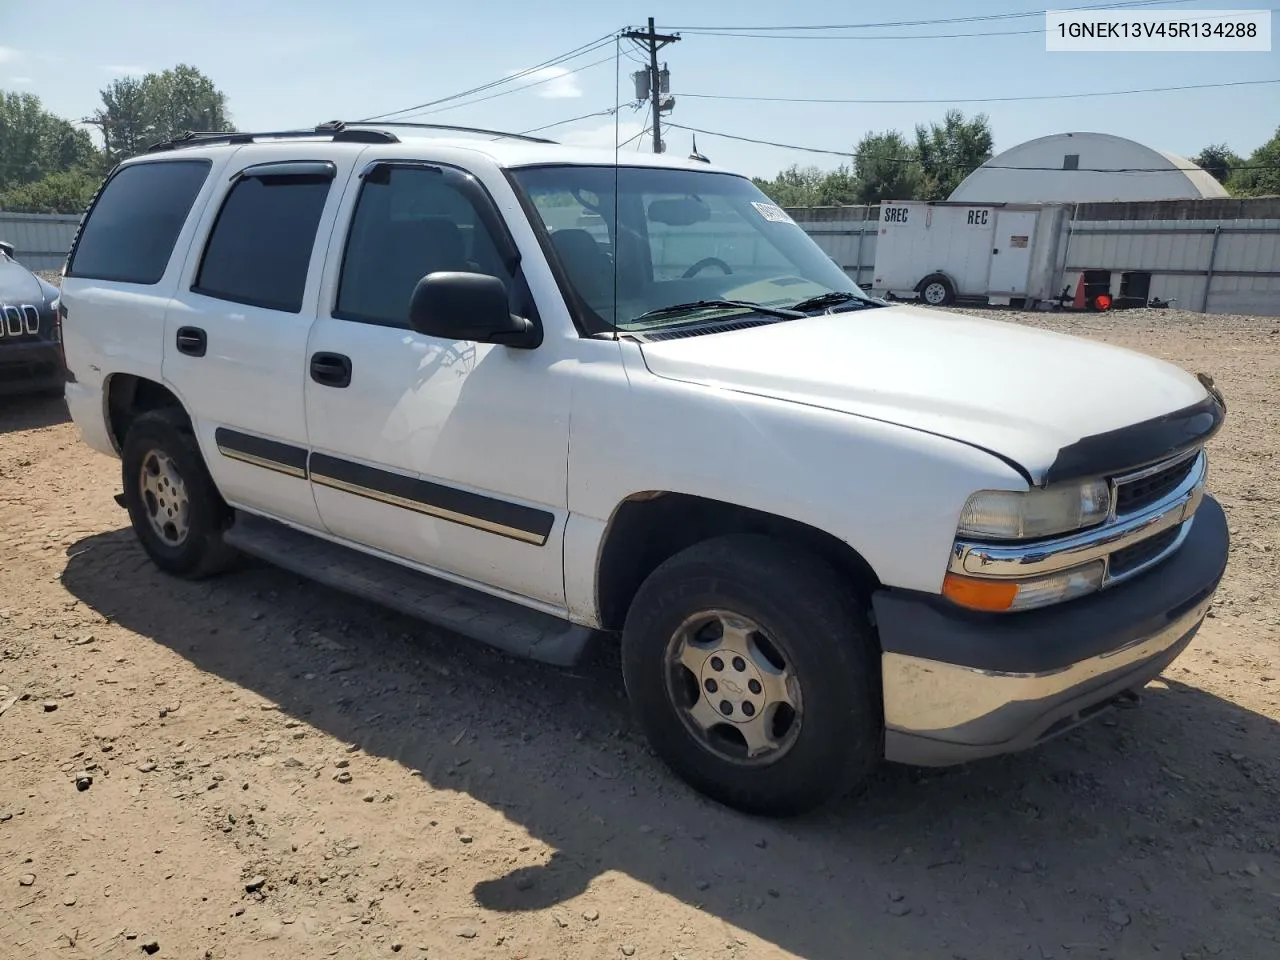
{"x":794,"y":187}
{"x":880,"y":171}
{"x":1218,"y":161}
{"x":950,"y":152}
{"x":1259,"y":176}
{"x":137,"y":113}
{"x":68,"y":191}
{"x":35,"y":143}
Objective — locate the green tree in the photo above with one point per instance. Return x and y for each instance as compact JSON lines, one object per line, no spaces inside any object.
{"x":1218,"y":161}
{"x":137,"y":113}
{"x":1259,"y":176}
{"x":880,"y":169}
{"x":35,"y":143}
{"x":794,"y":187}
{"x":950,"y":151}
{"x":67,"y":191}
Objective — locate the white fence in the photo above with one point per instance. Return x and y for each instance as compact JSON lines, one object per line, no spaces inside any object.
{"x":40,"y":240}
{"x":1212,"y":256}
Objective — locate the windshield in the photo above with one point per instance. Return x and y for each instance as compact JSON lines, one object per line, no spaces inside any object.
{"x":680,"y":237}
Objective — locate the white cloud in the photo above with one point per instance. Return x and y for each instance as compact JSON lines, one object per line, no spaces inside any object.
{"x":125,"y":69}
{"x":553,"y":83}
{"x":21,"y":80}
{"x":8,"y":54}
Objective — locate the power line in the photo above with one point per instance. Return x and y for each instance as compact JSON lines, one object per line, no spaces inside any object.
{"x":931,"y":22}
{"x":1044,"y":96}
{"x":560,"y":123}
{"x":852,"y":154}
{"x":877,"y":37}
{"x":507,"y":93}
{"x":586,"y":48}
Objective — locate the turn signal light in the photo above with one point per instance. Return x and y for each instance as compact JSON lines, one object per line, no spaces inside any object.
{"x":993,"y":595}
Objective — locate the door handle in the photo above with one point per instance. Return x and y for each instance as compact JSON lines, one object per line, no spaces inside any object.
{"x":331,"y":369}
{"x":192,"y":341}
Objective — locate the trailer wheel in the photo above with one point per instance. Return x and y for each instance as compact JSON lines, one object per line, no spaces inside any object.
{"x":937,"y":291}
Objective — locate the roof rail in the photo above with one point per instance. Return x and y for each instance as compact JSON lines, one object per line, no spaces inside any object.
{"x":439,"y":126}
{"x":340,"y":131}
{"x":337,"y":132}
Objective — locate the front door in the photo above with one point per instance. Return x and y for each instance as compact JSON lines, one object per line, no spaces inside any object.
{"x":1011,"y":252}
{"x":449,"y":454}
{"x":236,"y":331}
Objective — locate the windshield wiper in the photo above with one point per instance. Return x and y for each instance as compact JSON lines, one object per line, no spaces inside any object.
{"x":783,"y":312}
{"x":830,"y":300}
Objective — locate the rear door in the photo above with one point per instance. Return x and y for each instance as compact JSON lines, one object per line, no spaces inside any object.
{"x":236,"y":331}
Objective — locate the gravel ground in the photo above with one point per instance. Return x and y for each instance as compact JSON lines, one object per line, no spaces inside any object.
{"x":256,"y":767}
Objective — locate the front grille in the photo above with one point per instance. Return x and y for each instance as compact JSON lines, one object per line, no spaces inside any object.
{"x":1135,"y":495}
{"x":1141,"y":553}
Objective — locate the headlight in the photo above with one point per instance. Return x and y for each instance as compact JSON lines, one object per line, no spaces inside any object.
{"x":999,"y":596}
{"x":1010,"y":515}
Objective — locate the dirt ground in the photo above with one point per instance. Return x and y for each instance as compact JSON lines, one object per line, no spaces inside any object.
{"x":278,"y":771}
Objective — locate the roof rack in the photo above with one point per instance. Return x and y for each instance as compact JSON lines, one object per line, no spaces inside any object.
{"x":338,"y":130}
{"x":335,"y":131}
{"x":442,"y":126}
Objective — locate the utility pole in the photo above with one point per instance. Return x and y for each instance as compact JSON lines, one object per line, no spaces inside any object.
{"x":654,"y":41}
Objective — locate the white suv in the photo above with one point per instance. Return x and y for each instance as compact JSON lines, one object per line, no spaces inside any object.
{"x":540,"y":395}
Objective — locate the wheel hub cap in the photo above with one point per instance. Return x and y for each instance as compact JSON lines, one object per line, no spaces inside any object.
{"x":164,"y":498}
{"x":735,"y":690}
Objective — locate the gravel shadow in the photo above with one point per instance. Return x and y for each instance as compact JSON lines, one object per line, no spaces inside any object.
{"x":32,"y":412}
{"x":1152,"y":829}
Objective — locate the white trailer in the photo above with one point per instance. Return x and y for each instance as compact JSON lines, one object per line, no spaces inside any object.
{"x":939,"y":251}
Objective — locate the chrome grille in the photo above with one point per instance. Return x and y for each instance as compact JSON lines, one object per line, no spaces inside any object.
{"x":1133,"y":559}
{"x":1136,"y":491}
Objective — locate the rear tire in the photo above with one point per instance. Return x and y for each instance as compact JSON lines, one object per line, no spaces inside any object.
{"x":937,"y":291}
{"x":174,"y":506}
{"x":745,"y":642}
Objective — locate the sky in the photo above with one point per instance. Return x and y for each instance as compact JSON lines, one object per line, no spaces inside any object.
{"x":290,"y":63}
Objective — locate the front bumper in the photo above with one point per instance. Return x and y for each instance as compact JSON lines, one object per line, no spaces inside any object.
{"x":960,"y":686}
{"x":30,"y":366}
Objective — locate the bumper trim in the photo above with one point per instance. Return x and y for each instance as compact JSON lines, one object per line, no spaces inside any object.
{"x":937,"y":714}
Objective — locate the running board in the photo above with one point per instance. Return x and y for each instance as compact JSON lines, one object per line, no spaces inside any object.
{"x":510,"y":627}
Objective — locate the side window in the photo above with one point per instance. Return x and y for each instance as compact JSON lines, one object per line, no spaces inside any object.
{"x":131,"y":229}
{"x":260,"y":246}
{"x":408,"y":222}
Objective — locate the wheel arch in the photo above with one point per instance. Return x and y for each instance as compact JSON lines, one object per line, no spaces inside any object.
{"x":127,"y":396}
{"x":649,"y":527}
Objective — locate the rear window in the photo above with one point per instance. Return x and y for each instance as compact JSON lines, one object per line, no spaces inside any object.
{"x":261,"y":244}
{"x":131,"y":229}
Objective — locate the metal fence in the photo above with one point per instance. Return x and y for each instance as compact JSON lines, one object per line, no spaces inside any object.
{"x":40,"y":240}
{"x":1212,"y":256}
{"x":1215,"y":256}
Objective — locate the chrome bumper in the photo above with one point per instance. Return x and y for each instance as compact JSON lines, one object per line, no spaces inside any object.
{"x":959,"y":686}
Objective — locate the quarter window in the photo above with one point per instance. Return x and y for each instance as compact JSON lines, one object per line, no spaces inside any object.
{"x":132,"y":227}
{"x":260,"y":246}
{"x":409,"y":221}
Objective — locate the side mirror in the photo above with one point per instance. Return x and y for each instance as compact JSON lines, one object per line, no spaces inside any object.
{"x":469,"y":306}
{"x":8,"y":249}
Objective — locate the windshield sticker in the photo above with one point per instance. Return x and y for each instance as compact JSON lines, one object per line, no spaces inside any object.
{"x":772,"y":212}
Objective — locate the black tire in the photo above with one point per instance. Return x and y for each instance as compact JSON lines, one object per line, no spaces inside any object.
{"x":939,"y":282}
{"x":201,"y":552}
{"x":812,"y":618}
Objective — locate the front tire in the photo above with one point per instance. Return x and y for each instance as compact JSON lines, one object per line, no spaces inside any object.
{"x":174,"y":506}
{"x":754,"y":673}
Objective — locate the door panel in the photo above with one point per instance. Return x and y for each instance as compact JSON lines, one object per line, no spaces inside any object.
{"x":451,"y":454}
{"x":236,"y":332}
{"x":1011,"y":251}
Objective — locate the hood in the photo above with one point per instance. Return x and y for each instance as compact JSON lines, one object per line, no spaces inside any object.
{"x":19,"y":285}
{"x":1017,"y":391}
